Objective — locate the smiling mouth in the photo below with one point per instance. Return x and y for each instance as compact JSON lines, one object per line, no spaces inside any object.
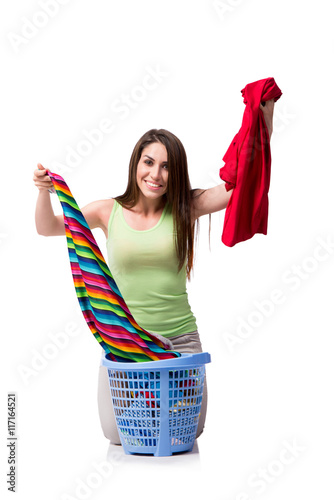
{"x":152,"y":185}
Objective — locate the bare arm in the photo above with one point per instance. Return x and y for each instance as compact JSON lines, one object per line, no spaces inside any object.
{"x":210,"y":201}
{"x":268,"y":114}
{"x":48,"y":224}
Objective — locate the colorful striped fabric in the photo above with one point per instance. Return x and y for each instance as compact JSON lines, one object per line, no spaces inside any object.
{"x":101,"y":302}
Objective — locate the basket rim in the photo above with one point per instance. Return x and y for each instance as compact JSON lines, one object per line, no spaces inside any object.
{"x":186,"y":360}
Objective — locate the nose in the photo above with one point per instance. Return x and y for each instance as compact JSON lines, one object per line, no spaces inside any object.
{"x":155,"y":172}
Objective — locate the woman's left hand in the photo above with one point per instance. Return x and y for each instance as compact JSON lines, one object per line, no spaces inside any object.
{"x":268,"y":113}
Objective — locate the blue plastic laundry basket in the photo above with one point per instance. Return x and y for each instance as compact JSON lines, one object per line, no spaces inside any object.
{"x":157,"y":404}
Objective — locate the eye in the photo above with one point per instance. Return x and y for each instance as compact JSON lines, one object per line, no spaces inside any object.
{"x":166,"y":167}
{"x":148,"y":162}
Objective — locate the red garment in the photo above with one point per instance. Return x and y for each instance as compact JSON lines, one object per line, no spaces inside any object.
{"x":247,"y":167}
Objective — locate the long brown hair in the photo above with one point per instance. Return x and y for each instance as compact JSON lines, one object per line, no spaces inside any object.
{"x":178,"y":195}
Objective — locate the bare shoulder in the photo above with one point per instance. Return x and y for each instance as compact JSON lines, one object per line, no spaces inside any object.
{"x":97,"y":213}
{"x":105,"y":207}
{"x":195,"y":194}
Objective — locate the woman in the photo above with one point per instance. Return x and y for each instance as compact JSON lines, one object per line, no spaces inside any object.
{"x":150,"y":243}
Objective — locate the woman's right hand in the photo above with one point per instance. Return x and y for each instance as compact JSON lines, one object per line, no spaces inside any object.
{"x":41,"y":179}
{"x":47,"y":223}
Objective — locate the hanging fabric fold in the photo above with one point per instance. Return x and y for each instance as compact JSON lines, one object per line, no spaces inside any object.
{"x":247,"y":167}
{"x":100,"y":299}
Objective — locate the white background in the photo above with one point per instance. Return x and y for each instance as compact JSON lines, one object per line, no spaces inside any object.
{"x":271,"y":389}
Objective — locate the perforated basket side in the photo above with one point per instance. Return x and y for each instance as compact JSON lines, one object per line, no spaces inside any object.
{"x":157,"y":407}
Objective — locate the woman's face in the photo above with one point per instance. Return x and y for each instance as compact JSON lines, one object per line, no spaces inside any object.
{"x":152,"y":171}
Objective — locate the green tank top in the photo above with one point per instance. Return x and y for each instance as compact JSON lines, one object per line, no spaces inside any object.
{"x":144,"y":265}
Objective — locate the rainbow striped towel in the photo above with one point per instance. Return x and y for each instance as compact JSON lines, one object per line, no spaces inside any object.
{"x":101,"y":302}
